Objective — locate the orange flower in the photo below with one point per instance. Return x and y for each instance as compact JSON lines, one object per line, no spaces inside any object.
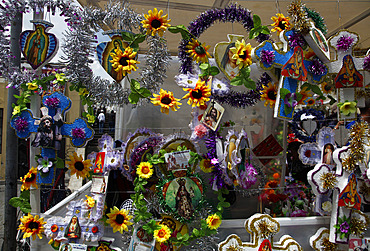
{"x":29,"y":179}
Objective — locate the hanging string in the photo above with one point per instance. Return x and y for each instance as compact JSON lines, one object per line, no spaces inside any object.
{"x":168,"y":9}
{"x":278,"y":6}
{"x":339,"y":15}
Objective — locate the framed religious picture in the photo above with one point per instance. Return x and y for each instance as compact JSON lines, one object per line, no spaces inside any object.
{"x":99,"y":162}
{"x":178,"y":161}
{"x":141,"y":240}
{"x":99,"y":184}
{"x":72,"y":247}
{"x":73,"y":229}
{"x":212,"y":116}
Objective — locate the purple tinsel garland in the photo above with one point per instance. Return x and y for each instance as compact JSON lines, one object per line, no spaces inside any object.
{"x":267,"y":56}
{"x":78,"y":133}
{"x":241,"y":100}
{"x":52,"y":102}
{"x":296,"y":39}
{"x":232,"y":13}
{"x":217,"y":173}
{"x":317,"y":67}
{"x":20,"y":124}
{"x":344,"y":43}
{"x":366,"y":65}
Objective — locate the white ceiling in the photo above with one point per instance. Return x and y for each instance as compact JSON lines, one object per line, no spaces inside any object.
{"x":353,"y":15}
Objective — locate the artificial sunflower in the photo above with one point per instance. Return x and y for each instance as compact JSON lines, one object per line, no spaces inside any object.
{"x":124,"y":61}
{"x":242,"y":53}
{"x":32,"y":226}
{"x":90,"y":201}
{"x":305,"y":95}
{"x":79,"y":166}
{"x":311,"y":102}
{"x":29,"y":179}
{"x":163,"y":234}
{"x":213,"y":221}
{"x":154,"y":22}
{"x":198,"y":51}
{"x":144,"y":170}
{"x":119,"y":219}
{"x":199,"y":95}
{"x":206,"y":165}
{"x":166,"y":100}
{"x":280,"y":23}
{"x":269,"y":94}
{"x":327,"y":87}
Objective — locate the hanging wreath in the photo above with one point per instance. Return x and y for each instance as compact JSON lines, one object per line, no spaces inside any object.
{"x":299,"y":132}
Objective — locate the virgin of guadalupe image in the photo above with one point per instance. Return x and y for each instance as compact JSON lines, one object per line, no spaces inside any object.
{"x":36,"y":48}
{"x":184,"y":197}
{"x":73,"y":229}
{"x":265,"y":246}
{"x":294,"y":68}
{"x":349,"y":197}
{"x":348,"y":76}
{"x":228,"y":63}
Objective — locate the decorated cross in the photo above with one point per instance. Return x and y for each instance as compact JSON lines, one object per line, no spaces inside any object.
{"x":49,"y":130}
{"x":291,"y":59}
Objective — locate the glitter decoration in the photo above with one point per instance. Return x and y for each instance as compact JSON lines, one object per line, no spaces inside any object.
{"x":317,"y":19}
{"x":20,"y":124}
{"x":344,"y":43}
{"x":358,"y":227}
{"x":296,"y":39}
{"x":317,"y":67}
{"x":267,"y":56}
{"x":329,"y":180}
{"x":299,"y":16}
{"x":78,"y":133}
{"x":295,"y":124}
{"x":366,"y":65}
{"x":266,"y":229}
{"x":52,"y":102}
{"x":328,"y":245}
{"x":248,"y":177}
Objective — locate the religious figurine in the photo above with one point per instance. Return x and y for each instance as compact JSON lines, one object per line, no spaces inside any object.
{"x":184,"y":204}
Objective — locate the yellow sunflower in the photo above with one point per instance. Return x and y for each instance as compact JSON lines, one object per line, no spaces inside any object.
{"x":124,"y":61}
{"x":206,"y":165}
{"x":280,"y":23}
{"x":90,"y":201}
{"x":213,"y":221}
{"x":162,"y":234}
{"x":32,"y":226}
{"x":144,"y":170}
{"x":198,"y":51}
{"x":79,"y":166}
{"x":29,"y":179}
{"x":269,"y":93}
{"x":119,"y":219}
{"x":199,"y":95}
{"x":242,"y":53}
{"x":154,"y":22}
{"x":310,"y":102}
{"x":305,"y":95}
{"x":166,"y":100}
{"x":327,"y":87}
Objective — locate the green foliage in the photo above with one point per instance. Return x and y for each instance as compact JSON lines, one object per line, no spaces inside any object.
{"x":185,"y":34}
{"x":283,"y":93}
{"x":151,"y":226}
{"x":137,"y":92}
{"x":244,"y":78}
{"x":133,"y":39}
{"x":23,"y":202}
{"x":208,"y":70}
{"x":258,"y":28}
{"x":195,"y":158}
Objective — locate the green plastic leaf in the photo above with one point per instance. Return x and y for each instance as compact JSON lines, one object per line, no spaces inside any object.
{"x":16,"y":202}
{"x":332,"y":100}
{"x":265,"y":30}
{"x":283,"y":93}
{"x":133,"y":98}
{"x":204,"y":66}
{"x":236,"y":81}
{"x":249,"y":83}
{"x":128,"y":36}
{"x":135,"y":85}
{"x":256,"y":20}
{"x":252,"y":33}
{"x":214,"y":71}
{"x":287,"y":109}
{"x":26,"y":208}
{"x":299,"y":96}
{"x":25,"y":194}
{"x":144,"y":92}
{"x":180,"y":29}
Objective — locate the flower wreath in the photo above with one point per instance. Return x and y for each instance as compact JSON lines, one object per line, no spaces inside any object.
{"x":79,"y":45}
{"x":319,"y":117}
{"x":232,"y":13}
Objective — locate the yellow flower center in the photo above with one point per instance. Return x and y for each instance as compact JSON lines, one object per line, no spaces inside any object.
{"x":123,"y":61}
{"x":166,"y":100}
{"x":79,"y":166}
{"x":156,"y":23}
{"x":120,"y":219}
{"x":145,"y":170}
{"x":197,"y":94}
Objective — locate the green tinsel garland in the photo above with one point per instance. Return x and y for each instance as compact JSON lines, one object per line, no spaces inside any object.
{"x":317,"y":19}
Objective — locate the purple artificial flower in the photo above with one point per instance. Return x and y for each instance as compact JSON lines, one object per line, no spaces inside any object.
{"x":366,"y":65}
{"x":78,"y":133}
{"x":296,"y":39}
{"x":344,"y":227}
{"x":44,"y":164}
{"x":20,"y":124}
{"x":298,"y":213}
{"x":290,"y":100}
{"x":248,"y":177}
{"x":267,"y":56}
{"x":344,"y":43}
{"x":52,"y":102}
{"x":317,"y":67}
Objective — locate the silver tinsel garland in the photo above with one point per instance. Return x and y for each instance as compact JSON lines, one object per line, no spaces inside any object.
{"x":79,"y":47}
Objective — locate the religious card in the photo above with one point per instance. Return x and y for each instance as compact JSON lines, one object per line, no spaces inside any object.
{"x":178,"y":161}
{"x":99,"y":162}
{"x":99,"y":184}
{"x":72,"y":247}
{"x":141,"y":240}
{"x":357,"y":244}
{"x":212,"y":116}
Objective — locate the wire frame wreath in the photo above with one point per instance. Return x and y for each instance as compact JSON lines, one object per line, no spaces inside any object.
{"x":232,"y":13}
